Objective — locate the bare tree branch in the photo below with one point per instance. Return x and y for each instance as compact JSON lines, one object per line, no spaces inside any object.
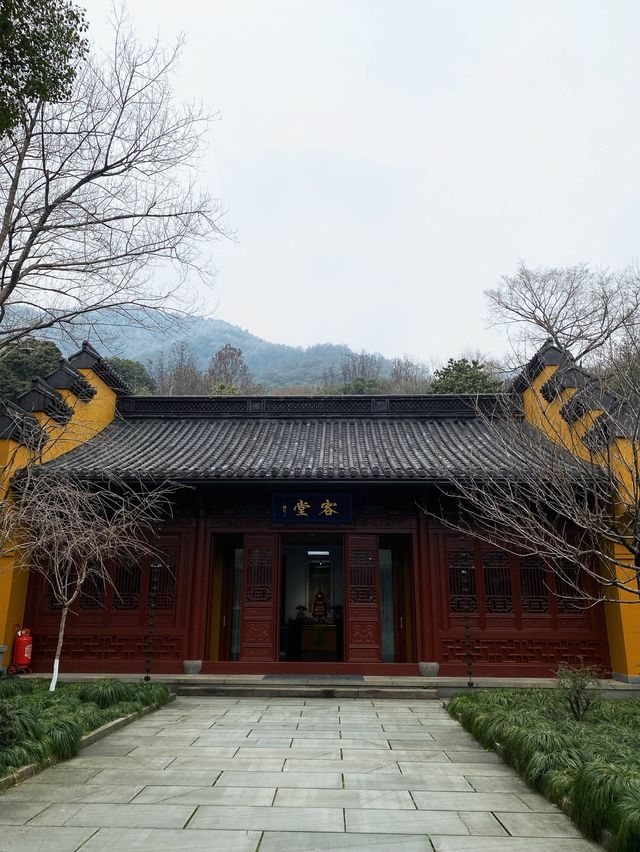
{"x":100,"y":192}
{"x":580,"y":309}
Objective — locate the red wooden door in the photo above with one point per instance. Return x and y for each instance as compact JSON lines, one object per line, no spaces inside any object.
{"x":258,"y":622}
{"x":363,"y":599}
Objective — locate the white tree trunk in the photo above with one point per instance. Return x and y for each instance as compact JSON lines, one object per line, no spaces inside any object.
{"x":56,"y":659}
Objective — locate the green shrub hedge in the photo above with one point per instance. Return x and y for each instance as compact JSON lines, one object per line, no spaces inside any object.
{"x":590,"y":768}
{"x":36,"y":724}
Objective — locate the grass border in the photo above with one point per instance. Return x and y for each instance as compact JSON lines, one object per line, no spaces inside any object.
{"x":31,"y":769}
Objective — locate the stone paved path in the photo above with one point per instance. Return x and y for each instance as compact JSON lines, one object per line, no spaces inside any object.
{"x":288,"y":774}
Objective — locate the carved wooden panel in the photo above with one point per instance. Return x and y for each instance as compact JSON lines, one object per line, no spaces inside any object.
{"x":513,"y":609}
{"x":111,"y":647}
{"x":113,"y":622}
{"x":362,"y":599}
{"x":258,"y":621}
{"x":549,"y":651}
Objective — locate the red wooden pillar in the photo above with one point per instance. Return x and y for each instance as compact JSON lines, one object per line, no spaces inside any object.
{"x":428,"y":590}
{"x":363,"y":599}
{"x":200,"y":604}
{"x":259,"y":618}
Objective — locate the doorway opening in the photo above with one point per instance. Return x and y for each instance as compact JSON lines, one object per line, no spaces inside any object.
{"x":396,"y":599}
{"x":311,"y":599}
{"x":226,"y":598}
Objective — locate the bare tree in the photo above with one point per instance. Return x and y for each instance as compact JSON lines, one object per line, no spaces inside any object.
{"x":71,"y":531}
{"x":570,"y":497}
{"x":99,"y":192}
{"x":408,"y":376}
{"x":177,"y":373}
{"x":580,"y":309}
{"x":361,"y":366}
{"x":228,"y":372}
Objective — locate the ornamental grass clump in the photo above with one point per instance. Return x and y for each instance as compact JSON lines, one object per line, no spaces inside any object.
{"x":582,"y":754}
{"x":105,"y":693}
{"x":36,"y":724}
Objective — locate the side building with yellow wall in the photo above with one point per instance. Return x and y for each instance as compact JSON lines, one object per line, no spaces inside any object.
{"x":577,"y":413}
{"x":57,"y":414}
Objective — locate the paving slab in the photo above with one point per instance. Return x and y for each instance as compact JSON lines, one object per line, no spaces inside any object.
{"x":270,"y":819}
{"x":52,"y":793}
{"x":154,"y":777}
{"x":446,"y":801}
{"x":17,"y":813}
{"x":439,"y":783}
{"x":482,"y":823}
{"x":509,"y":844}
{"x":132,"y":816}
{"x":311,"y":798}
{"x":496,"y":783}
{"x":164,"y":793}
{"x":297,"y":841}
{"x":169,"y":840}
{"x":538,"y":825}
{"x":29,"y":838}
{"x":404,"y":822}
{"x":324,"y":780}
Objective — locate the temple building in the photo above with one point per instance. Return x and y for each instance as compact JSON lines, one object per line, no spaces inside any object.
{"x":304,"y":537}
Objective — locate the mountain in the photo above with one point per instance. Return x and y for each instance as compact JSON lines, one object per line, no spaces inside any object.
{"x":274,"y":365}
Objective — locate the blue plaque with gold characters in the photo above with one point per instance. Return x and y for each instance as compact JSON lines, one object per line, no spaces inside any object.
{"x":323,"y":508}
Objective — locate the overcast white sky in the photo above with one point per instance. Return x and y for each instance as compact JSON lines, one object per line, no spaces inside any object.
{"x":383,"y":163}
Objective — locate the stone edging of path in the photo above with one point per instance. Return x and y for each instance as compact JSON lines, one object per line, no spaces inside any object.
{"x":88,"y":739}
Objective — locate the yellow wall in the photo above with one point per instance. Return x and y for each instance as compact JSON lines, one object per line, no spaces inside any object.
{"x":89,"y":418}
{"x":623,"y":619}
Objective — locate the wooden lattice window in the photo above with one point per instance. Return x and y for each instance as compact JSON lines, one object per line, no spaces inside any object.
{"x":162,"y":582}
{"x":52,"y":602}
{"x":126,"y":587}
{"x":534,"y":589}
{"x":259,"y":583}
{"x":463,"y":596}
{"x":93,"y":594}
{"x":497,"y":582}
{"x":568,"y":586}
{"x":362,"y":577}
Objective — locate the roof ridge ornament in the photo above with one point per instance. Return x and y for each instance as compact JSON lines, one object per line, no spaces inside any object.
{"x":89,"y":358}
{"x":42,"y":397}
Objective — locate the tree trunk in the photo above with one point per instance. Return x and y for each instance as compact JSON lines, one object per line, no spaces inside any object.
{"x":56,"y":659}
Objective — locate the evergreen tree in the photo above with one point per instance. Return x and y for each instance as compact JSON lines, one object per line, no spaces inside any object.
{"x":23,"y":361}
{"x":228,"y":372}
{"x":464,"y":375}
{"x":41,"y":42}
{"x":134,"y":374}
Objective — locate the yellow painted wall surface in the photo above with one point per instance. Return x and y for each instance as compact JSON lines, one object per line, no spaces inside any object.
{"x":89,"y":418}
{"x":623,"y":619}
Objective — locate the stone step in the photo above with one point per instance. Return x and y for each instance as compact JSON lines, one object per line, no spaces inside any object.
{"x":289,"y":690}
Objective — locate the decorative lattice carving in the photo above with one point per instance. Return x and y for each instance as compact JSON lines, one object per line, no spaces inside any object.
{"x":362,"y":577}
{"x":462,"y":581}
{"x":92,"y":647}
{"x":534,"y":586}
{"x":497,"y":582}
{"x":126,"y":591}
{"x":549,"y":652}
{"x":259,"y":583}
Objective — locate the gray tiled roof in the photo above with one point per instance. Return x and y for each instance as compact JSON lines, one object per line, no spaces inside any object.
{"x":325,"y":446}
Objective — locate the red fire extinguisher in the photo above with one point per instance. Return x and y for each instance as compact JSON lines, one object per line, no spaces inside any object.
{"x":22,"y":649}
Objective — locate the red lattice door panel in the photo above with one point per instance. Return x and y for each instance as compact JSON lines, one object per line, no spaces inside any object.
{"x":258,"y":621}
{"x":363,"y":599}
